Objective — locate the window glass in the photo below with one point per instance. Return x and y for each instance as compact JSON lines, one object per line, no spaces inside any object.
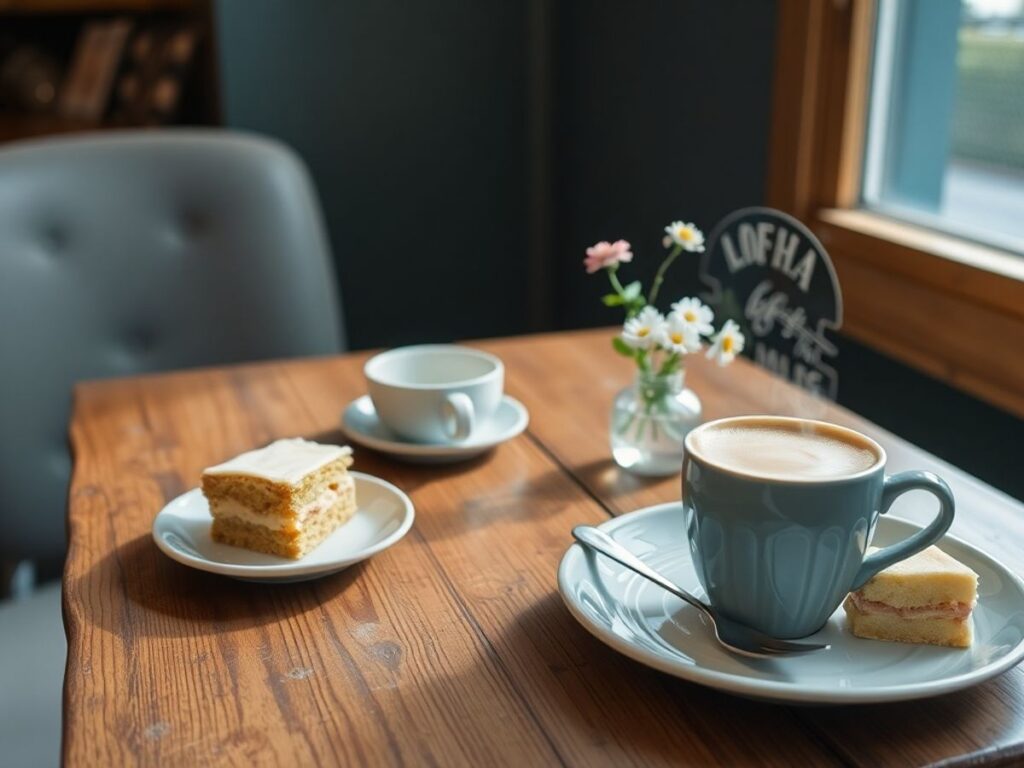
{"x":946,"y":122}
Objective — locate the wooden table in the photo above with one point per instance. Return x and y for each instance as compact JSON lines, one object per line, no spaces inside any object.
{"x":453,"y":647}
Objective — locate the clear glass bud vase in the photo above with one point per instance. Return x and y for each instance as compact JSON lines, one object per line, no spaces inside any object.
{"x":649,"y":422}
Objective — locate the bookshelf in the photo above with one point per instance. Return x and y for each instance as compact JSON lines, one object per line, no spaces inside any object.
{"x":84,"y":65}
{"x":92,"y":6}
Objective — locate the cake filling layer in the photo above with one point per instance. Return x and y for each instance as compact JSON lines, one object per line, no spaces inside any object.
{"x":957,"y":611}
{"x":228,"y":509}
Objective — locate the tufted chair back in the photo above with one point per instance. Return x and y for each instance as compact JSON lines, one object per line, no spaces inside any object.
{"x":141,"y":251}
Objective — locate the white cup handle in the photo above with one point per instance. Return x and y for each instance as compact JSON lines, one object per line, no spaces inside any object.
{"x":457,"y":415}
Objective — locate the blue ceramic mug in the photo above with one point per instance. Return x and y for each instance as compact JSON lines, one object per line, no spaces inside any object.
{"x":779,"y":550}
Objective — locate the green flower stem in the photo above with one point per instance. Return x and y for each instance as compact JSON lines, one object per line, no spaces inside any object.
{"x":614,"y":280}
{"x":643,"y":361}
{"x":624,"y":428}
{"x":671,"y":364}
{"x":660,"y":276}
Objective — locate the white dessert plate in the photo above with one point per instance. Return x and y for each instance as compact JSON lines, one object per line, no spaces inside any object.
{"x":383,"y":516}
{"x":362,"y":425}
{"x":644,"y":622}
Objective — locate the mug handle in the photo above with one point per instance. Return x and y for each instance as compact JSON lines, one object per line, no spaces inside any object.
{"x":458,"y":415}
{"x":892,"y":488}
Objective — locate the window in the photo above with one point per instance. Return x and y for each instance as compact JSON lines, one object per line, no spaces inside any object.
{"x":945,"y":140}
{"x":898,"y":138}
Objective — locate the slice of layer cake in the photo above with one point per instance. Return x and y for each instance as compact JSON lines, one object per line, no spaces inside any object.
{"x":927,"y":598}
{"x":283,"y":499}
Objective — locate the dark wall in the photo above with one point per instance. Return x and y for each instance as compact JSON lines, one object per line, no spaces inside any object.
{"x":411,"y":117}
{"x":662,"y":112}
{"x":977,"y":437}
{"x":419,"y":122}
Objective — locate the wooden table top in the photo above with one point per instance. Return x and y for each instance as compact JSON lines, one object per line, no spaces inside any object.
{"x":453,"y":647}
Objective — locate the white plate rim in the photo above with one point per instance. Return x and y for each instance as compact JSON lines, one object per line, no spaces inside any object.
{"x":785,"y":692}
{"x":296,"y":568}
{"x":427,"y":450}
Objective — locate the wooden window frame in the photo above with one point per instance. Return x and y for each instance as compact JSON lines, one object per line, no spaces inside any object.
{"x":944,"y":305}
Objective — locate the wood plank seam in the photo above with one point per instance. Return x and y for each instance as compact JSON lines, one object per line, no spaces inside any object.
{"x":486,"y":642}
{"x":470,"y":619}
{"x":458,"y":601}
{"x":569,"y":473}
{"x":350,"y":662}
{"x":820,"y":736}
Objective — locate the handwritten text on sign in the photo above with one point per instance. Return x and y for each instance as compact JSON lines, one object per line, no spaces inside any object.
{"x":770,"y":274}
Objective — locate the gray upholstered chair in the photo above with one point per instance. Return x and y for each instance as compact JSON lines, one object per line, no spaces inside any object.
{"x":124,"y":253}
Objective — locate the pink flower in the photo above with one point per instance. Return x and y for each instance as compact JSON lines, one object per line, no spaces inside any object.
{"x":605,"y":254}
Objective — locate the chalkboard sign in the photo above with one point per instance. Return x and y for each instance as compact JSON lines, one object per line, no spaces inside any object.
{"x":769,"y":273}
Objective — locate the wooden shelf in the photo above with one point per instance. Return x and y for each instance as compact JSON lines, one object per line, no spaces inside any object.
{"x":14,"y":127}
{"x":57,"y":26}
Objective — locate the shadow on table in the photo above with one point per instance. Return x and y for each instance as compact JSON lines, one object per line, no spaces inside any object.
{"x":612,"y":706}
{"x":408,"y":476}
{"x":636,"y":712}
{"x":513,"y":502}
{"x":195,"y":602}
{"x":509,"y":494}
{"x":605,"y":478}
{"x":984,"y":721}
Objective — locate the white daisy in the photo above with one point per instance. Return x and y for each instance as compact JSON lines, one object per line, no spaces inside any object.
{"x":695,"y":314}
{"x":687,"y":235}
{"x":727,"y":344}
{"x":643,"y":330}
{"x":679,"y":336}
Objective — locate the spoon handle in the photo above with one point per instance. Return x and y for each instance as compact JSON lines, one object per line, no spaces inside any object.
{"x":601,"y":542}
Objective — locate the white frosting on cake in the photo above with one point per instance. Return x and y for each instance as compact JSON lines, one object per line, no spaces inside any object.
{"x":284,"y":461}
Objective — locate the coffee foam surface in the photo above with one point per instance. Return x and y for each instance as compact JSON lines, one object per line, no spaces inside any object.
{"x":784,"y":452}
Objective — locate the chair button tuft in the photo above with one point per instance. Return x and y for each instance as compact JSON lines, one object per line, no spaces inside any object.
{"x":185,"y":229}
{"x":54,"y":238}
{"x":193,"y":224}
{"x":140,"y":340}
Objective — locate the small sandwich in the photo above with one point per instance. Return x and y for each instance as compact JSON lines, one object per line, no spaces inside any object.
{"x":927,"y":598}
{"x":283,"y":499}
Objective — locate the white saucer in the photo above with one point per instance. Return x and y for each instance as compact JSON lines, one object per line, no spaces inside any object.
{"x":644,"y":622}
{"x":361,"y":424}
{"x":383,"y":516}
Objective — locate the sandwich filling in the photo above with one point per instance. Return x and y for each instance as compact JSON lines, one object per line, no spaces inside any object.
{"x":956,"y":610}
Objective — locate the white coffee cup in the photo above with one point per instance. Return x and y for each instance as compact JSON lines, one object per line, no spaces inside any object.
{"x":435,"y":393}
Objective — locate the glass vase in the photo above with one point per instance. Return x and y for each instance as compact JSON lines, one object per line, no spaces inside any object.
{"x":649,"y":422}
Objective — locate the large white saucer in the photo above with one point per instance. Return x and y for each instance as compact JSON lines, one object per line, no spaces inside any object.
{"x":647,"y":624}
{"x":383,"y":516}
{"x":362,"y":425}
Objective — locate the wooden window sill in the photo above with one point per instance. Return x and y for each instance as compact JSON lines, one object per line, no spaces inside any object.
{"x":986,"y":275}
{"x":949,"y":307}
